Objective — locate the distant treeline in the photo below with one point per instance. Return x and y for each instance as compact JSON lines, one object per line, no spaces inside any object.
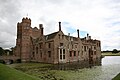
{"x":112,"y":51}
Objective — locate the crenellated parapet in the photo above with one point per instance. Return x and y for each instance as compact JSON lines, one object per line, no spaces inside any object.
{"x":26,"y":20}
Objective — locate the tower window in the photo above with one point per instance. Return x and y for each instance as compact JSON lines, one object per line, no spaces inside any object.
{"x":74,"y":53}
{"x":49,"y":54}
{"x":70,"y":53}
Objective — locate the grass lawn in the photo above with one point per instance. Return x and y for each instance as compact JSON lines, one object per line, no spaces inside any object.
{"x":110,"y":54}
{"x":8,"y":73}
{"x":40,"y":70}
{"x":117,"y":77}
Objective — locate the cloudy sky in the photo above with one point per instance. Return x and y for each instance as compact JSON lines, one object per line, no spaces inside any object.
{"x":99,"y":18}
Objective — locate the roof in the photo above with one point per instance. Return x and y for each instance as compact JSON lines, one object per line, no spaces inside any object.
{"x":74,"y":38}
{"x":51,"y":36}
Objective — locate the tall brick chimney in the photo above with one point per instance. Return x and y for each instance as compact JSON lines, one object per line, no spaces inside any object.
{"x":41,"y":28}
{"x":78,"y":33}
{"x":59,"y":26}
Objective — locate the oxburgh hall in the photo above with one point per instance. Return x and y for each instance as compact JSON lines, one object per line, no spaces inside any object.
{"x":57,"y":47}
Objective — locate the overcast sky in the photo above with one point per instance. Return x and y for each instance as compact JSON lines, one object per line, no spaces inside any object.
{"x":99,"y":18}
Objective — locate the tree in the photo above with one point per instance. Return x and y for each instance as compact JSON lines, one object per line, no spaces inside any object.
{"x":115,"y":51}
{"x":1,"y":51}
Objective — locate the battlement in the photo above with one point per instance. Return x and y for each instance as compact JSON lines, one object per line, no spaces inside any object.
{"x":26,"y":20}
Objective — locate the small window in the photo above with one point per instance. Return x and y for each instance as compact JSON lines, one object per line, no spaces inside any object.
{"x":94,"y":47}
{"x":49,"y":54}
{"x":61,"y":44}
{"x":33,"y":54}
{"x":78,"y":53}
{"x":84,"y":48}
{"x":70,"y":53}
{"x":74,"y":53}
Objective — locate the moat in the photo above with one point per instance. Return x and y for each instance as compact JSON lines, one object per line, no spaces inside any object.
{"x":109,"y":69}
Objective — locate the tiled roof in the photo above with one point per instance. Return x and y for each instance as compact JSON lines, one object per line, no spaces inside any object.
{"x":51,"y":36}
{"x":74,"y":38}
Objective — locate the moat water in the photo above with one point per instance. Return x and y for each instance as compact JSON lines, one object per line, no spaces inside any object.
{"x":109,"y":69}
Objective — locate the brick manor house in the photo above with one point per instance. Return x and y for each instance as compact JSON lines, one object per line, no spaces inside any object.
{"x":33,"y":45}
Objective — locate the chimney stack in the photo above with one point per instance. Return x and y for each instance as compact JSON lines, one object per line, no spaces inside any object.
{"x":41,"y":28}
{"x":59,"y":26}
{"x":78,"y":33}
{"x":87,"y":34}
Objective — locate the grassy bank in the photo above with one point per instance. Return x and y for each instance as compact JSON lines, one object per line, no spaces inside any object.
{"x":110,"y":54}
{"x":40,"y":70}
{"x":117,"y":77}
{"x":8,"y":73}
{"x":44,"y":72}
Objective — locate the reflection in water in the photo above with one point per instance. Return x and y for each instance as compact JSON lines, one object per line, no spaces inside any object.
{"x":109,"y":69}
